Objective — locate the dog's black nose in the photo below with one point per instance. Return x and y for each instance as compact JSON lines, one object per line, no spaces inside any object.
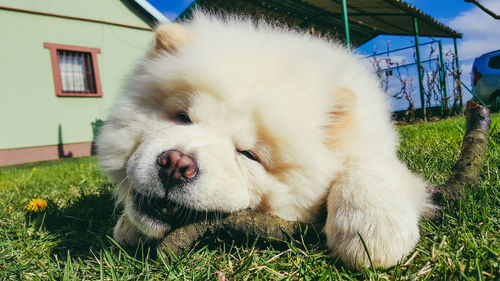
{"x":176,"y":165}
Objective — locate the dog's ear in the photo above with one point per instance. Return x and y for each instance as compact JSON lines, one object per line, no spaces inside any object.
{"x":170,"y":36}
{"x":341,"y":127}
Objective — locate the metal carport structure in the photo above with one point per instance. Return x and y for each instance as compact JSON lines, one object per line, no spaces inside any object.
{"x":354,"y":21}
{"x":366,"y":18}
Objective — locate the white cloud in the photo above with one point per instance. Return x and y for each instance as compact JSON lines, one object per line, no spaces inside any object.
{"x":481,"y":32}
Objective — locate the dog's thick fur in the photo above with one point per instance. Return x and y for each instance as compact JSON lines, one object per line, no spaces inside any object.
{"x":310,"y":111}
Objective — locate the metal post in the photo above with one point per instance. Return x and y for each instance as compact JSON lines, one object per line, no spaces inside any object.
{"x":346,"y":23}
{"x":459,"y":84}
{"x":420,"y":74}
{"x":444,"y":90}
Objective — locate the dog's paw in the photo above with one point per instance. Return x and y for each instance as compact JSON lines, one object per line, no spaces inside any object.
{"x":125,"y":233}
{"x":380,"y":203}
{"x":387,"y":239}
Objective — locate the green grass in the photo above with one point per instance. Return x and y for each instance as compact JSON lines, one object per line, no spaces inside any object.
{"x":70,"y":241}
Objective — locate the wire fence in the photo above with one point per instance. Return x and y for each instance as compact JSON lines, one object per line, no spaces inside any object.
{"x":397,"y":71}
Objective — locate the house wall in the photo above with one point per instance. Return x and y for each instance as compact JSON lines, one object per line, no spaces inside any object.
{"x":31,"y":115}
{"x":118,"y":11}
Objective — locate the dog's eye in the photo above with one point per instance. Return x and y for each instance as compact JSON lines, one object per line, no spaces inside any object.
{"x":183,"y":118}
{"x":249,"y":154}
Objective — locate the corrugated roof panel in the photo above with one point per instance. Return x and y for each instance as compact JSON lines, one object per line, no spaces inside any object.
{"x":367,"y":18}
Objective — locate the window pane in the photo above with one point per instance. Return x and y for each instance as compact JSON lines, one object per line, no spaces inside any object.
{"x":494,"y":62}
{"x":76,"y":71}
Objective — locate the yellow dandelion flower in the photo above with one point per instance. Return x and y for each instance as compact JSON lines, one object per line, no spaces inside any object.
{"x":34,"y":169}
{"x":36,"y":205}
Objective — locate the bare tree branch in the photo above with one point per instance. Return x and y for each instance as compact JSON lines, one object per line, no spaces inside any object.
{"x":486,"y":10}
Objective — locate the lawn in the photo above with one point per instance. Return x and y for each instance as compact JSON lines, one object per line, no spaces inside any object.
{"x":70,"y":240}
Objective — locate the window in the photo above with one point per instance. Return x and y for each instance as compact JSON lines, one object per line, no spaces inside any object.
{"x":75,"y":70}
{"x":494,"y":62}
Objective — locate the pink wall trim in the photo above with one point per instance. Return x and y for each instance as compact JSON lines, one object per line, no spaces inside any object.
{"x":41,"y":153}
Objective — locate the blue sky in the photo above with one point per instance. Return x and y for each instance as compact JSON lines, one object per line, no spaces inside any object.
{"x":171,"y":8}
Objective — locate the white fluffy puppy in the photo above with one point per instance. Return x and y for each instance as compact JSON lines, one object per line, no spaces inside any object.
{"x":225,"y":114}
